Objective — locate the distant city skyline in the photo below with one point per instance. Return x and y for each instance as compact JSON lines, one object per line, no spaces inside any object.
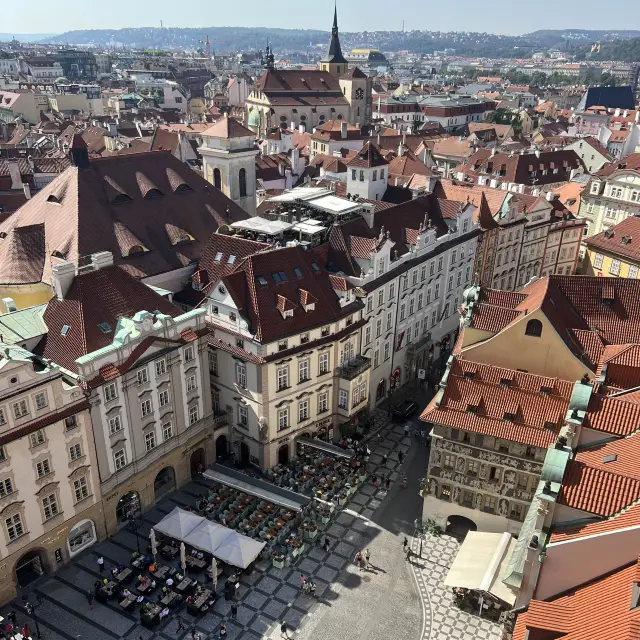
{"x":354,"y":15}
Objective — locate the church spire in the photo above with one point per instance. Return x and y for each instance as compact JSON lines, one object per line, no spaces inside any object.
{"x":334,"y":55}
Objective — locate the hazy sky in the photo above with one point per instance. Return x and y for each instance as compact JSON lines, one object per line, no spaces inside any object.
{"x":498,"y":16}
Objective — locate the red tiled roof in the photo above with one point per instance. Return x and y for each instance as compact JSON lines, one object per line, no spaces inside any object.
{"x":623,"y":239}
{"x":369,"y":156}
{"x":490,"y":318}
{"x":621,"y":365}
{"x":227,"y":128}
{"x":598,"y":610}
{"x":95,"y":297}
{"x":628,"y":163}
{"x":537,"y":416}
{"x":297,"y":82}
{"x":618,"y":415}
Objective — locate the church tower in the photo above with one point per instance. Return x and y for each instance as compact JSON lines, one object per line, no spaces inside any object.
{"x":334,"y":61}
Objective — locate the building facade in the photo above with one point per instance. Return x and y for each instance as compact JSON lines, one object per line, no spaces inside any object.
{"x":614,"y":252}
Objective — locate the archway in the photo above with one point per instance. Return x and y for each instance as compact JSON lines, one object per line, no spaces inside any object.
{"x":283,"y":454}
{"x":82,"y":535}
{"x":164,"y":483}
{"x":380,"y":390}
{"x":221,"y":447}
{"x":128,"y":507}
{"x":197,"y":462}
{"x":459,"y":526}
{"x":30,"y":567}
{"x":244,"y":454}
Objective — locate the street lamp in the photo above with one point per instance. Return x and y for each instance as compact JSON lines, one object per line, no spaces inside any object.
{"x":31,"y":608}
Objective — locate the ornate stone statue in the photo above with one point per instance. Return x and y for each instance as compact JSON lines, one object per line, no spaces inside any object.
{"x":262,"y":426}
{"x":460,"y":464}
{"x":433,"y":487}
{"x":435,"y":457}
{"x":456,"y":495}
{"x":503,"y":507}
{"x":479,"y":501}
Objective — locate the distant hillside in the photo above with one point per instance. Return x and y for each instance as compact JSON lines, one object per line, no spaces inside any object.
{"x":622,"y":50}
{"x":25,"y":37}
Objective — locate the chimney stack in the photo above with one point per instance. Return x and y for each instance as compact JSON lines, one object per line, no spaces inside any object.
{"x":343,"y":130}
{"x":27,"y":191}
{"x":62,"y":276}
{"x":14,"y":172}
{"x":101,"y":260}
{"x":79,"y":153}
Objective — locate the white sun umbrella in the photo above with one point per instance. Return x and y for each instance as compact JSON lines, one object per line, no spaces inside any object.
{"x":154,"y":543}
{"x":214,"y":573}
{"x":183,"y":557}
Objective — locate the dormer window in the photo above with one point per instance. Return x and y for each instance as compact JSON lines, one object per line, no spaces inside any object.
{"x":310,"y":307}
{"x":595,"y":187}
{"x":232,"y":316}
{"x":287,"y":313}
{"x":509,"y":416}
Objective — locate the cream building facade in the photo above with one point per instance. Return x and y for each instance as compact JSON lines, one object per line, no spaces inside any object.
{"x":50,"y":499}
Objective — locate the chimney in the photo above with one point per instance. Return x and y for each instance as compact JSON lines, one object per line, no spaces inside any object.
{"x":79,"y":154}
{"x":343,"y":130}
{"x":62,"y":276}
{"x":281,"y":168}
{"x":301,"y":128}
{"x":625,"y":113}
{"x":551,"y":196}
{"x":14,"y":172}
{"x":400,"y":151}
{"x":637,"y":118}
{"x":101,"y":260}
{"x":368,"y":214}
{"x":617,"y":113}
{"x":293,"y":126}
{"x":27,"y":191}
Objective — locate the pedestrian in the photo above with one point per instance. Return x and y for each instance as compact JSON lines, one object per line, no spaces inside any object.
{"x":303,"y":580}
{"x":327,"y":544}
{"x":194,"y":633}
{"x":385,"y":457}
{"x":405,"y":544}
{"x":223,"y":630}
{"x":12,"y":618}
{"x":89,"y":599}
{"x":387,"y":484}
{"x":407,"y":430}
{"x":101,"y":564}
{"x":283,"y":630}
{"x":400,"y":456}
{"x":423,"y":435}
{"x":367,"y":557}
{"x":409,"y":554}
{"x":234,"y":610}
{"x":379,"y":436}
{"x":359,"y":561}
{"x":181,"y":626}
{"x":374,"y":480}
{"x":26,"y":632}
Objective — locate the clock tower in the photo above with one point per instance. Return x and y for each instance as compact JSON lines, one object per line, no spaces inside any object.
{"x":334,"y":62}
{"x":356,"y":88}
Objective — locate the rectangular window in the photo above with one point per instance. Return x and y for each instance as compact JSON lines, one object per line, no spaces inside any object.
{"x":43,"y":468}
{"x":41,"y":401}
{"x":436,"y":291}
{"x":324,"y":363}
{"x":161,"y":367}
{"x":380,"y":297}
{"x":283,"y":419}
{"x":523,"y":482}
{"x":403,"y":311}
{"x":303,"y":411}
{"x":597,"y":261}
{"x":343,"y":399}
{"x":115,"y":425}
{"x":465,"y":226}
{"x":213,"y":363}
{"x":37,"y":437}
{"x":454,"y":256}
{"x":440,"y":263}
{"x":188,"y":353}
{"x":75,"y":452}
{"x":14,"y":526}
{"x":369,"y":304}
{"x":323,"y":402}
{"x":150,"y":440}
{"x":110,"y":392}
{"x":367,"y":334}
{"x":615,"y":267}
{"x":193,"y":415}
{"x":490,"y":504}
{"x":243,"y":415}
{"x":146,"y":408}
{"x":20,"y":409}
{"x":517,"y":511}
{"x":473,"y":467}
{"x":450,"y":285}
{"x":414,"y":277}
{"x":411,"y":306}
{"x":392,"y":290}
{"x":167,"y":431}
{"x":423,"y":272}
{"x":389,"y":320}
{"x":163,"y":398}
{"x":420,"y":300}
{"x":432,"y":268}
{"x":354,"y":174}
{"x":387,"y":351}
{"x":633,"y":271}
{"x":50,"y":506}
{"x":376,"y":358}
{"x":303,"y":370}
{"x":81,"y":487}
{"x":3,"y":419}
{"x":241,"y":375}
{"x":142,"y":376}
{"x":434,"y":318}
{"x":378,"y":329}
{"x":191,"y":384}
{"x":283,"y":378}
{"x":6,"y":487}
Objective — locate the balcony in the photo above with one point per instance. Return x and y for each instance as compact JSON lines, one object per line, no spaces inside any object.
{"x":353,"y":368}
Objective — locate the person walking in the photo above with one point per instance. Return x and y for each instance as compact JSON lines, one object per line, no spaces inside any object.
{"x":367,"y":558}
{"x":387,"y":484}
{"x":26,"y":632}
{"x":358,"y":560}
{"x":181,"y":626}
{"x":327,"y":544}
{"x":89,"y":599}
{"x":303,"y":580}
{"x":400,"y":456}
{"x":101,"y":564}
{"x":223,"y":630}
{"x":409,"y":554}
{"x":194,"y":634}
{"x":283,"y":630}
{"x":407,"y":430}
{"x":234,"y":610}
{"x":12,"y":618}
{"x":405,"y":544}
{"x":385,"y":457}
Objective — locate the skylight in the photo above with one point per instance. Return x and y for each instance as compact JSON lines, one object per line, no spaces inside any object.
{"x":105,"y":327}
{"x":231,"y":259}
{"x":65,"y":329}
{"x":262,"y":281}
{"x":297,"y":272}
{"x":315,"y":267}
{"x":279,"y":276}
{"x":218,"y":256}
{"x":612,"y":458}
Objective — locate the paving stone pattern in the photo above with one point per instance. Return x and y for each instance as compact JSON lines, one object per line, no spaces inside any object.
{"x":267,"y":595}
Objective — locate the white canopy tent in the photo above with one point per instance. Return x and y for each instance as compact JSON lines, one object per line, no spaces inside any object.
{"x":178,"y":524}
{"x":208,"y":536}
{"x":239,"y":550}
{"x":480,"y":564}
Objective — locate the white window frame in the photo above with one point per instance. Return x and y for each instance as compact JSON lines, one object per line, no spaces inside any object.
{"x":323,"y":402}
{"x":323,"y":364}
{"x":343,"y":399}
{"x":243,"y":415}
{"x":188,"y":353}
{"x":41,"y":401}
{"x":81,"y":487}
{"x":160,"y":367}
{"x":50,"y":506}
{"x":191,"y":384}
{"x":37,"y":438}
{"x":303,"y":410}
{"x":75,"y":452}
{"x":149,"y":441}
{"x":142,"y":376}
{"x":120,"y":459}
{"x":615,"y":267}
{"x":6,"y":487}
{"x":597,"y":261}
{"x":303,"y":370}
{"x":167,"y":430}
{"x":282,"y":377}
{"x":115,"y":421}
{"x":110,"y":392}
{"x":163,"y":398}
{"x":283,"y":419}
{"x":146,"y":408}
{"x":43,"y":468}
{"x":15,"y":528}
{"x":241,"y":375}
{"x":193,"y":415}
{"x":20,"y":409}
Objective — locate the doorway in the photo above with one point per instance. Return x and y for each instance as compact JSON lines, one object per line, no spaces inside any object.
{"x":128,"y":507}
{"x":30,"y":567}
{"x":164,"y":483}
{"x":380,"y":390}
{"x":197,"y":462}
{"x":245,"y":454}
{"x":283,"y":454}
{"x":222,"y":447}
{"x":459,"y":526}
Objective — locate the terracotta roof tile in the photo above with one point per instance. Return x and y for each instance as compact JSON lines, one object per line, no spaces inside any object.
{"x":538,"y":416}
{"x":622,"y":240}
{"x":227,"y":128}
{"x":369,"y":156}
{"x":613,"y":414}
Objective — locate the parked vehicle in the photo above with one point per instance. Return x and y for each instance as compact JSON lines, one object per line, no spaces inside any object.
{"x":404,"y":410}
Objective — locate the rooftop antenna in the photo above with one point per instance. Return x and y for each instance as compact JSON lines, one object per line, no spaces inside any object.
{"x":403,"y":26}
{"x":160,"y":24}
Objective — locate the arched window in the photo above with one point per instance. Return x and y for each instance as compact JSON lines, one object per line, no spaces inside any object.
{"x":217,"y":178}
{"x":534,"y":328}
{"x":242,"y":177}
